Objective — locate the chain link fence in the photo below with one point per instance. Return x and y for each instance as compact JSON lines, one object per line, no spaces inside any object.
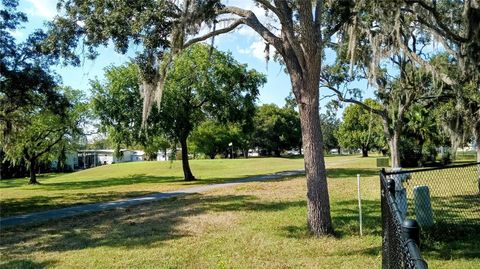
{"x":445,"y":202}
{"x":399,"y":248}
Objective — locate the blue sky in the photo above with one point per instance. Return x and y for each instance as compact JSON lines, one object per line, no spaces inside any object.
{"x":244,"y":44}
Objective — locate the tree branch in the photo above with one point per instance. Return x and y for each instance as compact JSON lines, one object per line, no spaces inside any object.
{"x":227,"y":29}
{"x":430,"y":68}
{"x":49,"y":147}
{"x":252,"y":21}
{"x":266,"y":4}
{"x":288,"y":33}
{"x":438,"y":20}
{"x":350,"y":100}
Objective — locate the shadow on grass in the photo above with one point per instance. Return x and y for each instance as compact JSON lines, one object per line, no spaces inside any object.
{"x":345,"y":220}
{"x":24,"y":263}
{"x":447,"y":241}
{"x":456,"y":232}
{"x":345,"y":217}
{"x":458,"y":209}
{"x":20,"y":206}
{"x":109,"y":182}
{"x":131,"y":226}
{"x":351,"y":172}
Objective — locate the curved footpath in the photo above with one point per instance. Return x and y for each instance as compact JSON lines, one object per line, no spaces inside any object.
{"x":90,"y":208}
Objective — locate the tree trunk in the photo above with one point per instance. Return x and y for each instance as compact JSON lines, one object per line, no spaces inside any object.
{"x":33,"y":176}
{"x":392,"y":139}
{"x":364,"y":152}
{"x":394,"y":150}
{"x":318,"y":204}
{"x":187,"y":173}
{"x":1,"y":163}
{"x":476,"y":133}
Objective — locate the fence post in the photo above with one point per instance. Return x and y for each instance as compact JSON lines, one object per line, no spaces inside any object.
{"x":411,"y":235}
{"x":411,"y":230}
{"x":391,"y":187}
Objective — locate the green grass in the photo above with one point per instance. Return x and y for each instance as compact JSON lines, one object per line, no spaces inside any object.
{"x":254,"y":225}
{"x":117,"y":181}
{"x":466,"y":156}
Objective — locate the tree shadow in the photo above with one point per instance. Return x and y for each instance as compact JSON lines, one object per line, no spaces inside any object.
{"x":296,"y":232}
{"x":447,"y":241}
{"x":345,"y":217}
{"x":24,"y":263}
{"x":371,"y":251}
{"x":456,"y":231}
{"x":130,"y":226}
{"x":109,"y":182}
{"x":345,"y":220}
{"x":351,"y":172}
{"x":24,"y":205}
{"x":19,"y":206}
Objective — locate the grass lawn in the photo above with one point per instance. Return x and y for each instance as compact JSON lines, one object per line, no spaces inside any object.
{"x":117,"y":181}
{"x":254,"y":225}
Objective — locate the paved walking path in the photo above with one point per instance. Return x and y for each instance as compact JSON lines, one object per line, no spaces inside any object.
{"x":89,"y":208}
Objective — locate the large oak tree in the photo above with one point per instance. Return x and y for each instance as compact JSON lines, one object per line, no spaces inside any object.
{"x":304,"y":30}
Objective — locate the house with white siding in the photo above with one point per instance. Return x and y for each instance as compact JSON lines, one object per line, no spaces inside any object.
{"x":95,"y":157}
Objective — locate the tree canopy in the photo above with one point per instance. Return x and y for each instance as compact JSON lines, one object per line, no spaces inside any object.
{"x":46,"y":133}
{"x":361,"y":128}
{"x":276,"y":129}
{"x":206,"y":84}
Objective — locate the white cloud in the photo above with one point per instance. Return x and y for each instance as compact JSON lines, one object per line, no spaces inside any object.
{"x":257,"y":50}
{"x":43,"y":8}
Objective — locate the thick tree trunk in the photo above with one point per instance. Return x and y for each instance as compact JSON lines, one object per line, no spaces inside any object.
{"x":364,"y":152}
{"x":319,"y":220}
{"x":187,"y":173}
{"x":33,"y":176}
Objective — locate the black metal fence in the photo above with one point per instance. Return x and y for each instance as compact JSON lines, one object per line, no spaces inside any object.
{"x":398,"y":250}
{"x":433,"y":198}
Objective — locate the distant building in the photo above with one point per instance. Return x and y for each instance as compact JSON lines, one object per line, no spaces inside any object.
{"x":253,"y":152}
{"x":95,"y":157}
{"x":163,"y":155}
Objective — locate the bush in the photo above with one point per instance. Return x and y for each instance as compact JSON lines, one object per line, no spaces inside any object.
{"x":429,"y":153}
{"x":410,"y":152}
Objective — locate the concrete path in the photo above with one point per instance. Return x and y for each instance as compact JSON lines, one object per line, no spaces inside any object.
{"x":90,"y":208}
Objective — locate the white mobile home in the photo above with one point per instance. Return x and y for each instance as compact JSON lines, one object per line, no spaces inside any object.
{"x":95,"y":157}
